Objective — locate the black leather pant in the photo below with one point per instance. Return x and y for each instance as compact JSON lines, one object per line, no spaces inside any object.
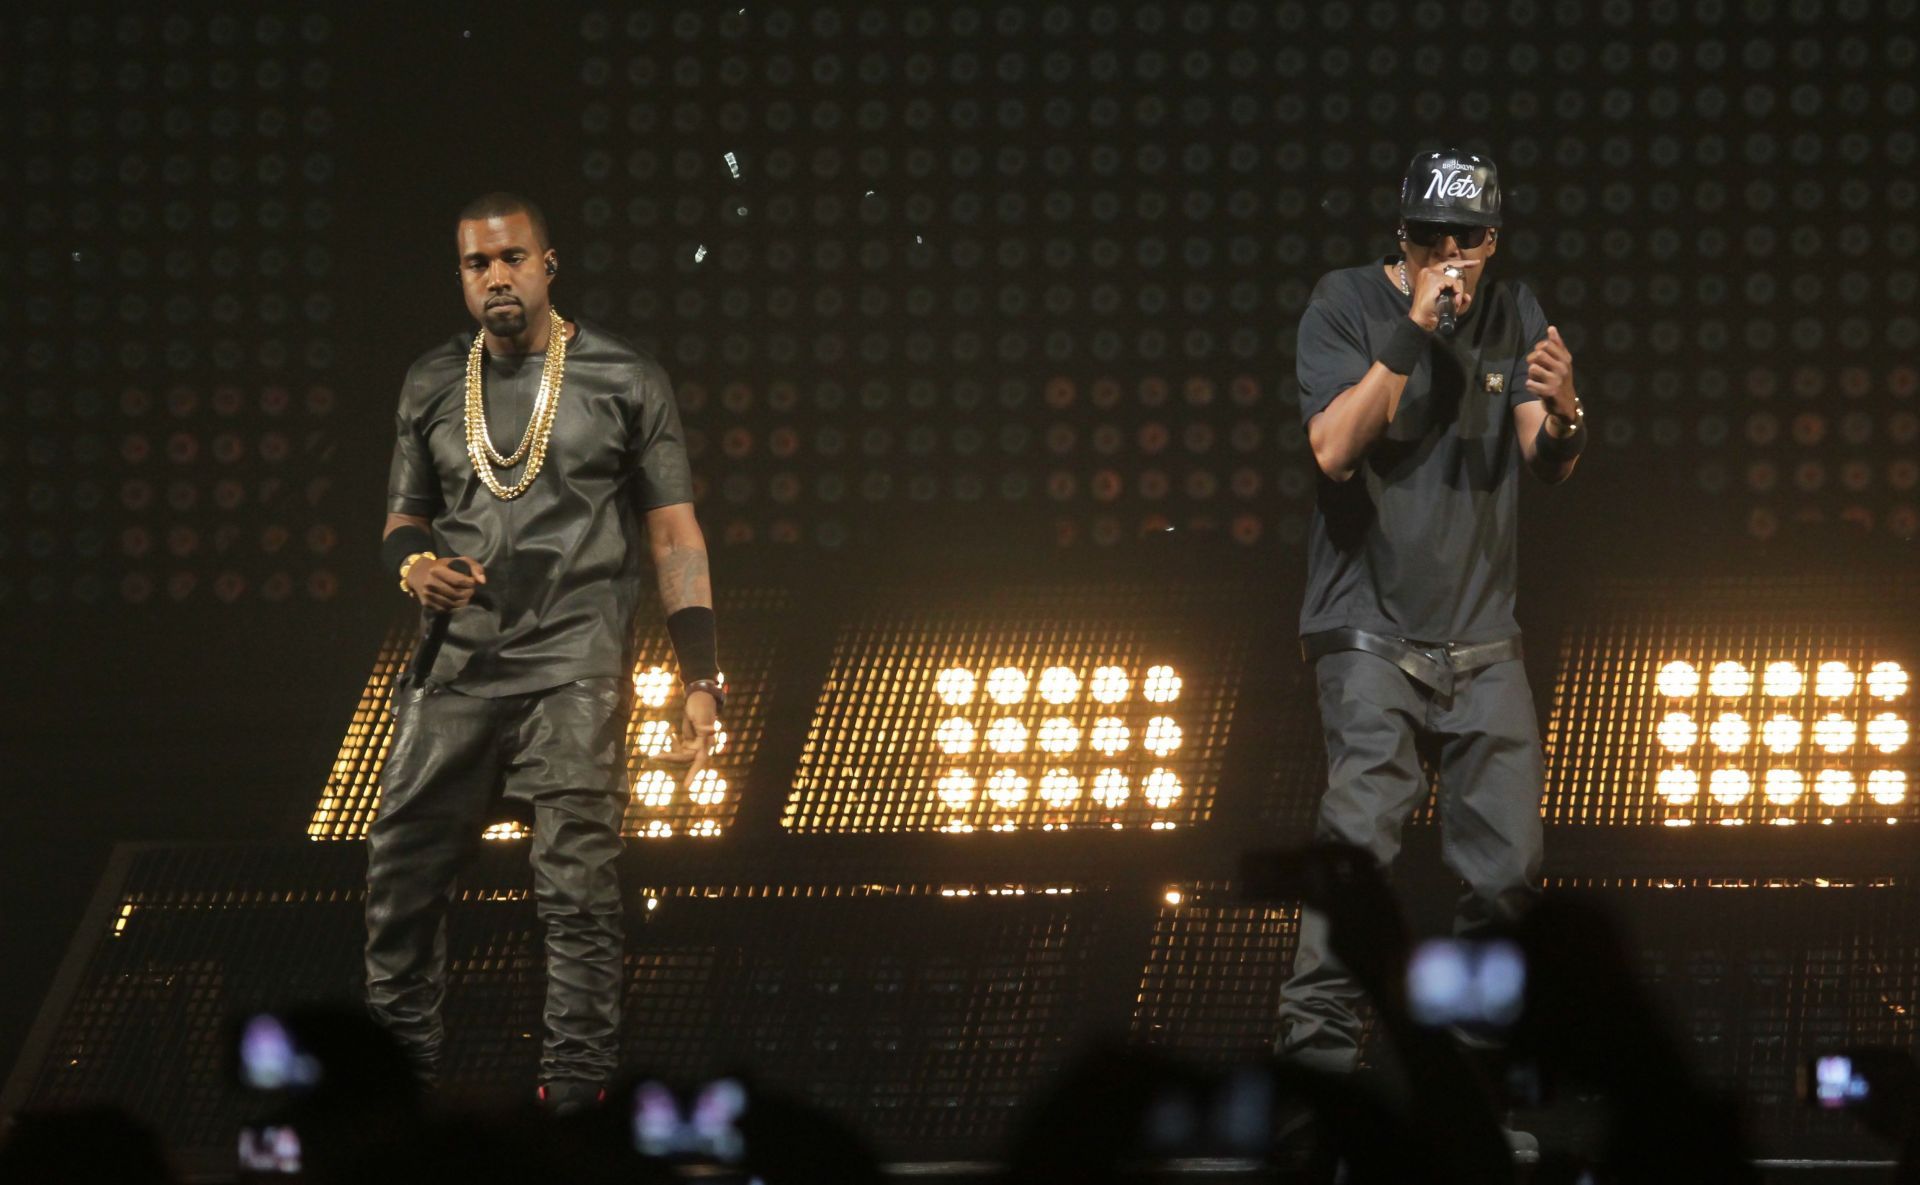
{"x":558,"y":751}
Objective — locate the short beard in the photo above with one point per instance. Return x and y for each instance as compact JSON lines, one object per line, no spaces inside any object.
{"x":507,"y":320}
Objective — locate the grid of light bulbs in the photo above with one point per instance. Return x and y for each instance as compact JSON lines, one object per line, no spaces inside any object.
{"x":1801,"y":742}
{"x":997,"y":725}
{"x":652,"y":733}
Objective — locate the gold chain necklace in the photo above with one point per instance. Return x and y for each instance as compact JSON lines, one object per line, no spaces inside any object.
{"x":533,"y":445}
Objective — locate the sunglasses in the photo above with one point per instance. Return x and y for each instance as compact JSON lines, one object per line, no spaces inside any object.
{"x":1429,"y":234}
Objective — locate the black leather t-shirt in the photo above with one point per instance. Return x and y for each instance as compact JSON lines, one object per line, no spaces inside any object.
{"x":566,"y":562}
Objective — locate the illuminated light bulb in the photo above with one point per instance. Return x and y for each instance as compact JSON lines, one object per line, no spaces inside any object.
{"x":1162,"y":685}
{"x":955,"y":735}
{"x":1887,"y":787}
{"x":1730,"y":733}
{"x":1109,"y":685}
{"x":1006,"y":685}
{"x":1783,"y":679}
{"x":1678,"y":786}
{"x":1784,"y":786}
{"x":501,"y":831}
{"x":719,"y":739}
{"x":1730,"y":680}
{"x":659,"y":829}
{"x":1729,"y":786}
{"x":1887,"y":732}
{"x":1834,"y":733}
{"x":1678,"y":680}
{"x":1887,"y":680}
{"x":1163,"y":736}
{"x":1059,"y":788}
{"x":708,"y":788}
{"x":1007,"y":735}
{"x":1781,"y":734}
{"x":956,"y":789}
{"x":655,"y":737}
{"x":653,"y":687}
{"x":1110,"y":735}
{"x":954,"y":686}
{"x":705,"y":828}
{"x":1174,"y":897}
{"x":1835,"y":787}
{"x":1007,"y":788}
{"x":1059,"y":735}
{"x":1059,"y":685}
{"x":1110,"y":787}
{"x":654,"y":789}
{"x":1160,"y":788}
{"x":1833,"y":680}
{"x":1677,"y":732}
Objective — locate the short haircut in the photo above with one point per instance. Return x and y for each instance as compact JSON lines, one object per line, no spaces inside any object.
{"x":499,"y":204}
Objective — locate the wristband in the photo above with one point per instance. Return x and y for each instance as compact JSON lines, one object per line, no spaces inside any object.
{"x":1558,"y":450}
{"x":402,"y":543}
{"x":695,"y":643}
{"x":1405,"y":348}
{"x":714,"y":688}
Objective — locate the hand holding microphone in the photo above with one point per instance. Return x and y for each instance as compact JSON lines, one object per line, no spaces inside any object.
{"x":1440,"y":295}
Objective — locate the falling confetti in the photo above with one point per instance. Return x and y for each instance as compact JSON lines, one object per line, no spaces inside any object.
{"x":700,"y":253}
{"x":733,"y":162}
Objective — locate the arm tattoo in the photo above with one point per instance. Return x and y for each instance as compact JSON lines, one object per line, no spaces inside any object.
{"x":684,"y":580}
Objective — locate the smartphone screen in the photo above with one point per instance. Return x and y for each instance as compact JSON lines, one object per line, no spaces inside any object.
{"x":270,"y":1058}
{"x":271,"y":1148}
{"x":706,"y":1128}
{"x":1452,"y":981}
{"x":1836,"y":1082}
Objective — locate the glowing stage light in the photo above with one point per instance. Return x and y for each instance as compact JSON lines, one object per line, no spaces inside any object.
{"x":1887,"y":732}
{"x":1784,"y":786}
{"x":1162,"y":685}
{"x":1783,"y":679}
{"x":653,"y":687}
{"x":500,"y":832}
{"x":1677,"y":732}
{"x":1059,"y":735}
{"x":1006,"y":685}
{"x":1730,"y":680}
{"x":654,"y":738}
{"x":954,"y":686}
{"x":658,"y":829}
{"x":955,"y":736}
{"x":1781,"y":734}
{"x":1059,"y":788}
{"x":1110,"y":788}
{"x":1833,"y":680}
{"x":1678,"y":680}
{"x":654,"y":789}
{"x":1173,"y":897}
{"x":1678,"y":786}
{"x":1834,"y":733}
{"x":1007,"y":735}
{"x":1007,"y":788}
{"x":1730,"y":733}
{"x":1834,"y":787}
{"x":1059,"y":685}
{"x":704,"y":828}
{"x":1887,"y":787}
{"x":1729,"y":787}
{"x":956,"y":789}
{"x":708,"y":788}
{"x":1160,"y":788}
{"x":1887,"y":680}
{"x":1110,"y":735}
{"x":1110,"y":685}
{"x":1163,"y":736}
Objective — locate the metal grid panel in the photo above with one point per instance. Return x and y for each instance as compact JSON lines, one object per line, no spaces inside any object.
{"x":1025,"y":709}
{"x":660,"y":806}
{"x":1711,"y":706}
{"x":1210,"y":987}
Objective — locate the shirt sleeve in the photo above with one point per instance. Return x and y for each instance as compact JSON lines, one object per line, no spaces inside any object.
{"x":1533,"y":331}
{"x":413,"y":484}
{"x":1331,"y":355}
{"x":660,"y":473}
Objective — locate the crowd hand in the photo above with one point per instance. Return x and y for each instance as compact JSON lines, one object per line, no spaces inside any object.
{"x":693,"y":751}
{"x":1550,"y":376}
{"x":438,"y":586}
{"x":1429,"y":282}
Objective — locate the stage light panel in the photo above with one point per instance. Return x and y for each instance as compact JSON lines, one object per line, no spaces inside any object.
{"x":1753,"y":701}
{"x":1097,"y":707}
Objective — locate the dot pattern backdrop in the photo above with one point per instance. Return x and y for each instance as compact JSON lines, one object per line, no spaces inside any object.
{"x":1048,"y":258}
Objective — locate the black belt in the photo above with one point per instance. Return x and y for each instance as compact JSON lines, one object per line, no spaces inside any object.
{"x":1433,"y":664}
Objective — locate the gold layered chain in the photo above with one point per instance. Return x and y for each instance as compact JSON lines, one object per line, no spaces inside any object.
{"x":533,"y":445}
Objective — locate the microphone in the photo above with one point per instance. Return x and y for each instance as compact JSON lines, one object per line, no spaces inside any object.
{"x":1444,"y":306}
{"x":430,"y":642}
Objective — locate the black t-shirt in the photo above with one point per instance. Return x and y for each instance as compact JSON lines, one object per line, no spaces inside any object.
{"x":566,"y":560}
{"x":1419,"y":542}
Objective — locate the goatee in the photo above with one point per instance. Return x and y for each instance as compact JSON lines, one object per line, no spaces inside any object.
{"x":507,"y":320}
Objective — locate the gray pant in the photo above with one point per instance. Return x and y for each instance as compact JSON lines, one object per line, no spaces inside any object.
{"x":558,"y":750}
{"x":1486,"y":744}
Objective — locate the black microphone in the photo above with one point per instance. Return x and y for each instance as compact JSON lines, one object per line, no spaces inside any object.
{"x":1444,"y":306}
{"x":430,"y":642}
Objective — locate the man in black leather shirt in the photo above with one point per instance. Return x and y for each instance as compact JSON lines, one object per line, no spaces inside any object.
{"x":536,"y":465}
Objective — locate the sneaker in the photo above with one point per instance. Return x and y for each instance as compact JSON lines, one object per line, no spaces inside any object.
{"x":571,"y":1096}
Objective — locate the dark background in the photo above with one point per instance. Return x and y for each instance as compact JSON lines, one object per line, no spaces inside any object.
{"x":1012,"y":272}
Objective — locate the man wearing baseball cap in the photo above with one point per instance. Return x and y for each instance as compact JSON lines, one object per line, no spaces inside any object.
{"x":1425,"y":388}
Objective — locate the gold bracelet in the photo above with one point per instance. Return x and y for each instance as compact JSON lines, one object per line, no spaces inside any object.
{"x":406,"y":567}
